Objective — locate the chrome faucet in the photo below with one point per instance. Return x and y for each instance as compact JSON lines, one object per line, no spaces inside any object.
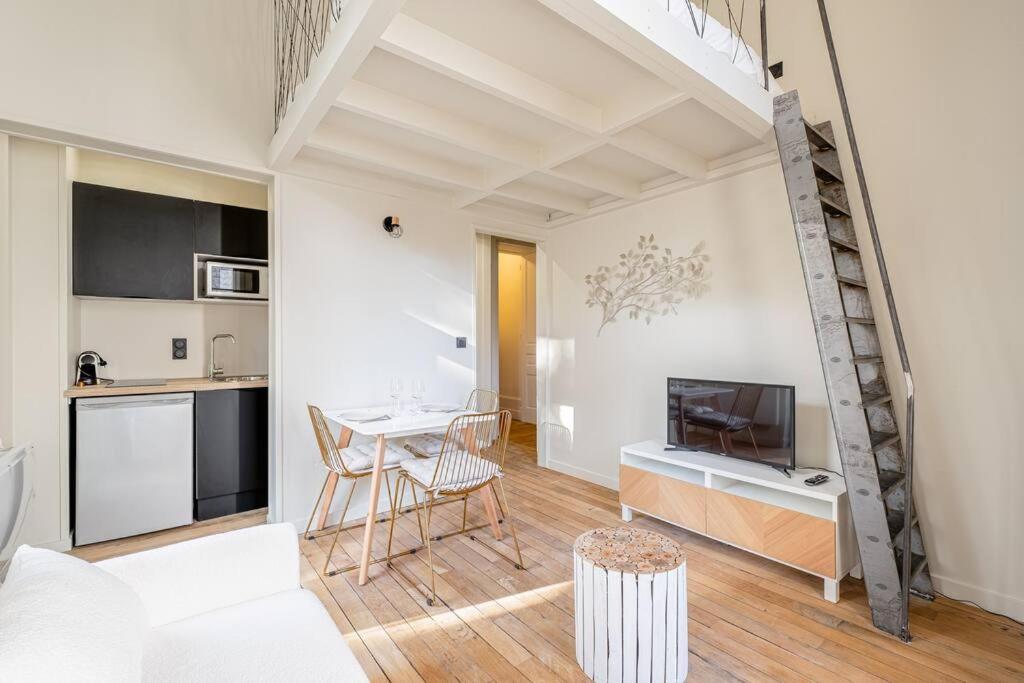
{"x":214,"y":370}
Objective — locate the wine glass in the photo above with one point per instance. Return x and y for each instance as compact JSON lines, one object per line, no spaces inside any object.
{"x":396,"y":396}
{"x":419,"y":388}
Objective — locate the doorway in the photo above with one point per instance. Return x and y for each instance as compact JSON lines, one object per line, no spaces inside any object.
{"x":516,"y":332}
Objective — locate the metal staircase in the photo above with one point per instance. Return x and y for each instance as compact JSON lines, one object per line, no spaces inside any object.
{"x":877,"y":462}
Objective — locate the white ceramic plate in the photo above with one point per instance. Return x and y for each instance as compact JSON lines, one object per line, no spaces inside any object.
{"x":441,"y":407}
{"x":363,"y":414}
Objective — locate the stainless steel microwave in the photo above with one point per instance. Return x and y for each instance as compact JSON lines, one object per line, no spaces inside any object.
{"x":227,"y":280}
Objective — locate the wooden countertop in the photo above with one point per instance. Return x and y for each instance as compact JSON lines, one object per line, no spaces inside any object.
{"x":173,"y":386}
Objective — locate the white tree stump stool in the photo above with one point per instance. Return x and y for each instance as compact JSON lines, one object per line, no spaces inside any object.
{"x":630,"y":589}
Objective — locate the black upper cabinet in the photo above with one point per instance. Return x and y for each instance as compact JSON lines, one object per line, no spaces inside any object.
{"x":131,"y":244}
{"x":223,"y":230}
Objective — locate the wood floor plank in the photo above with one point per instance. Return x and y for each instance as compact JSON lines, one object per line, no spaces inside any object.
{"x":750,"y":619}
{"x":311,"y":580}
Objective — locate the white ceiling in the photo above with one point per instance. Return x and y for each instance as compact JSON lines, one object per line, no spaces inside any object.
{"x":534,"y":111}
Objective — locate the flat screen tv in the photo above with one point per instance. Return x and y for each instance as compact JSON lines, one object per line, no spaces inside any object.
{"x":742,"y":420}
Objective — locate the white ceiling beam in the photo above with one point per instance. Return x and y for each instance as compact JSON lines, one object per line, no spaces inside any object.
{"x":465,"y":198}
{"x":629,"y":111}
{"x":394,"y":109}
{"x":399,"y":159}
{"x":439,"y":52}
{"x":661,"y":152}
{"x":345,"y":49}
{"x":718,"y":173}
{"x":643,"y":31}
{"x":567,"y":149}
{"x":540,"y":196}
{"x":596,"y":178}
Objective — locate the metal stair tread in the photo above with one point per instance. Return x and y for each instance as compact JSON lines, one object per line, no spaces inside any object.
{"x":917,"y":567}
{"x":875,"y":400}
{"x":883,"y":439}
{"x":817,"y":138}
{"x":833,"y":208}
{"x":890,"y":481}
{"x":854,"y":282}
{"x":859,"y":321}
{"x":867,"y":360}
{"x":894,"y":520}
{"x":840,"y":242}
{"x":826,"y":172}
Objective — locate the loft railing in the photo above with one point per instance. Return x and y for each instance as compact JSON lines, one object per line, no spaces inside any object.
{"x":300,"y":30}
{"x":731,"y":14}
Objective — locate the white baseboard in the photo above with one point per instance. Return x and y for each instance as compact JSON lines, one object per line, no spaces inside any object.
{"x":586,"y":475}
{"x":61,"y":545}
{"x":1000,"y":603}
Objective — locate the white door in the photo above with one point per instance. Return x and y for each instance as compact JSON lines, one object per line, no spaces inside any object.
{"x":528,"y":404}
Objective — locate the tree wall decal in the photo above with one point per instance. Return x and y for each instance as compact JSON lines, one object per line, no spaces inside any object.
{"x":647,"y":281}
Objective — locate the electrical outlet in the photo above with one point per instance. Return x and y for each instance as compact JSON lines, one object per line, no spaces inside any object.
{"x":179,"y":348}
{"x":460,"y":342}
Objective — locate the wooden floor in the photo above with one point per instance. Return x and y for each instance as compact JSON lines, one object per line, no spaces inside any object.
{"x":749,"y":619}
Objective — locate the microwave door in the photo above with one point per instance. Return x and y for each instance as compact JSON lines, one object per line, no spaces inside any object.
{"x":235,"y":281}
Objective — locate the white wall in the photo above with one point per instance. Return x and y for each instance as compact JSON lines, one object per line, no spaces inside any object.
{"x":753,"y":324}
{"x":99,"y":168}
{"x":190,"y":77}
{"x":31,"y":372}
{"x":134,"y":337}
{"x":935,"y":99}
{"x":358,"y":307}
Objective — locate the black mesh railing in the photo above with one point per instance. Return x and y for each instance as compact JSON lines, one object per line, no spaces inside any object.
{"x":300,"y":31}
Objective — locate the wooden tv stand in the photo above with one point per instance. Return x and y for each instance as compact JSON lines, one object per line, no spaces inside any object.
{"x":744,"y":504}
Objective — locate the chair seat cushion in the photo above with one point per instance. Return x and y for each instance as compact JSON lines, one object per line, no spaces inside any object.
{"x":287,"y":636}
{"x":361,"y":457}
{"x":426,"y":446}
{"x":459,"y":472}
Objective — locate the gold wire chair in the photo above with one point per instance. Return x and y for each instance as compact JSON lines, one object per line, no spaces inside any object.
{"x":429,"y":445}
{"x":482,"y":401}
{"x":471,"y":459}
{"x":336,"y":461}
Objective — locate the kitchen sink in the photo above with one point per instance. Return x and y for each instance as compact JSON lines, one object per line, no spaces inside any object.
{"x":240,"y":378}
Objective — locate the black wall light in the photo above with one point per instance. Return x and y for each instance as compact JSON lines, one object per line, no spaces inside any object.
{"x":392,"y":226}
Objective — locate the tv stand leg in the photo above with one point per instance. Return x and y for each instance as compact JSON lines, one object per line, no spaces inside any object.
{"x":627,"y":514}
{"x":831,"y":590}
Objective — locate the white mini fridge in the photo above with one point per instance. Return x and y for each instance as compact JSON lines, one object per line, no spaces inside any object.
{"x":133,"y":465}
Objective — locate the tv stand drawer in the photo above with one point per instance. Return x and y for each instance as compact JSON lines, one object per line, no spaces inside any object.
{"x":670,"y":499}
{"x":792,"y":537}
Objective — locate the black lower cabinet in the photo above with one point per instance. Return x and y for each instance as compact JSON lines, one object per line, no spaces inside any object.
{"x":231,"y":452}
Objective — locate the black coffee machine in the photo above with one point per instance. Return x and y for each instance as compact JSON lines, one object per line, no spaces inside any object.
{"x":87,"y":362}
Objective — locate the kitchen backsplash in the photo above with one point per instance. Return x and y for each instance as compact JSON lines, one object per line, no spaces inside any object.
{"x":135,"y":337}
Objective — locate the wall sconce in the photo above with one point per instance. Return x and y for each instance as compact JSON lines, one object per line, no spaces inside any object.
{"x":392,"y":226}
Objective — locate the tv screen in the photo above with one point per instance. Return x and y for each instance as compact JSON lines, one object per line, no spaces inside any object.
{"x":742,"y":420}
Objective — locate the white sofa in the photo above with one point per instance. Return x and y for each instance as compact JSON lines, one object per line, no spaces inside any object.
{"x":227,"y":607}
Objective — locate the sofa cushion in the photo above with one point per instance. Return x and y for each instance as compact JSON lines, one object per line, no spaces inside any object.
{"x":284,"y":637}
{"x":185,"y":579}
{"x":62,"y":619}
